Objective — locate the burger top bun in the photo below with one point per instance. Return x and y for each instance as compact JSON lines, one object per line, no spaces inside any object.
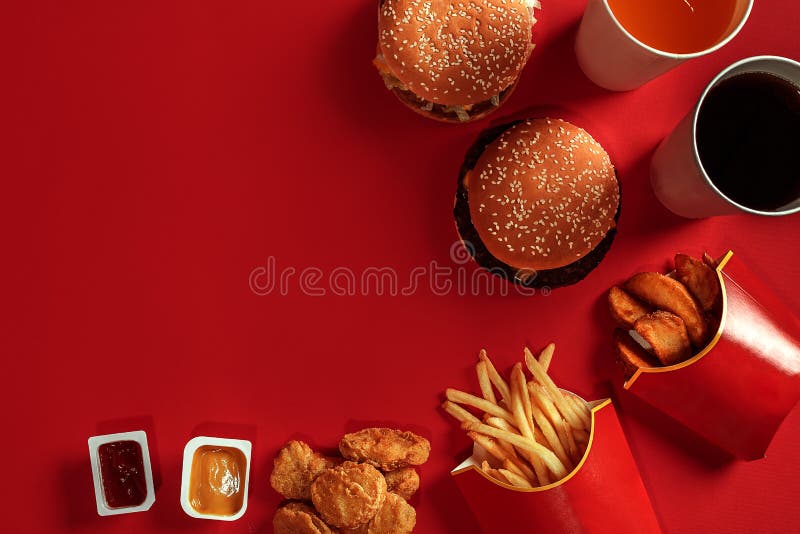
{"x":453,"y":52}
{"x":542,"y":195}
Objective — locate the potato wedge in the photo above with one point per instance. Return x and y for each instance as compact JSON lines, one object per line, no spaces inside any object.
{"x":666,"y":334}
{"x":667,"y":294}
{"x":624,"y":308}
{"x":630,"y":355}
{"x":708,"y":260}
{"x":699,"y":278}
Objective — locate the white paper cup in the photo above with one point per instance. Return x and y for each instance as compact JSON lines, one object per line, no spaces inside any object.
{"x":614,"y":59}
{"x":679,"y":180}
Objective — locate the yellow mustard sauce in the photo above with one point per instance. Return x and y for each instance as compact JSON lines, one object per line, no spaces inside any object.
{"x":217,"y":480}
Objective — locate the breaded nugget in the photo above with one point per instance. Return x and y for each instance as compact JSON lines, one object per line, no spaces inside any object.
{"x":404,"y":481}
{"x":385,"y":448}
{"x":396,"y":516}
{"x":666,"y":334}
{"x":295,"y":468}
{"x":299,"y":518}
{"x":348,"y":495}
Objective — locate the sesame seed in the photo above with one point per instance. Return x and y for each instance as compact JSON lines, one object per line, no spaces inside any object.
{"x":537,"y":206}
{"x":476,"y":44}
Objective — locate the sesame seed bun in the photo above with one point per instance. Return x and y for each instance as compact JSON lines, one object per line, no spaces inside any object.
{"x":455,"y":53}
{"x":538,"y":200}
{"x":447,"y":113}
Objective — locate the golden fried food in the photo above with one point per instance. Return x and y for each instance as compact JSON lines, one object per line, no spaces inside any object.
{"x":298,"y":518}
{"x":665,"y":293}
{"x":666,"y":334}
{"x":699,"y":278}
{"x":295,"y":468}
{"x":624,"y":308}
{"x":630,"y":355}
{"x":404,"y":481}
{"x":385,"y":448}
{"x":395,"y":516}
{"x":348,"y":495}
{"x":535,"y":435}
{"x":687,"y":306}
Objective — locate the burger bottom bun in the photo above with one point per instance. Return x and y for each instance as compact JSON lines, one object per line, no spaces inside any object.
{"x":444,"y":113}
{"x":547,"y":278}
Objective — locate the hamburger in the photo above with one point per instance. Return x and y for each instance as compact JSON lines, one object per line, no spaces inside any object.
{"x":537,"y":202}
{"x":454,"y":61}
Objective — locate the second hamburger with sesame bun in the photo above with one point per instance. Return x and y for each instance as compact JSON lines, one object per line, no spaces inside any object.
{"x":537,"y":202}
{"x":453,"y":60}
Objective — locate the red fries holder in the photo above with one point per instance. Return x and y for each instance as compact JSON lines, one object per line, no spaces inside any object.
{"x":604,"y":493}
{"x":737,"y":391}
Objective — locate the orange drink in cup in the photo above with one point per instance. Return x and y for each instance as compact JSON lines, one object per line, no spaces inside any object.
{"x":622,"y":44}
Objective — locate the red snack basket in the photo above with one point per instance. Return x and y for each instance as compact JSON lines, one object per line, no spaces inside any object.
{"x":604,"y":493}
{"x":738,"y":390}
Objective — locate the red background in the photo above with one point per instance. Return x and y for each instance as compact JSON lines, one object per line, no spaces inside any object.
{"x":157,"y":152}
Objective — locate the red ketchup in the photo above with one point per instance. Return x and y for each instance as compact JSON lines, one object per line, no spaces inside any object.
{"x":122,"y":473}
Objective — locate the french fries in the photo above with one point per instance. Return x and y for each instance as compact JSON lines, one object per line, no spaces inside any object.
{"x":494,"y":376}
{"x":665,"y":319}
{"x":515,"y":479}
{"x":535,"y":434}
{"x":460,"y":413}
{"x":484,"y":382}
{"x":547,"y":356}
{"x":562,"y":403}
{"x":476,"y":402}
{"x":503,"y":424}
{"x":543,"y":402}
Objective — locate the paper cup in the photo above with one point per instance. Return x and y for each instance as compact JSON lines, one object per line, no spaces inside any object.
{"x":738,"y":390}
{"x":614,"y":59}
{"x":678,"y":178}
{"x":604,"y":493}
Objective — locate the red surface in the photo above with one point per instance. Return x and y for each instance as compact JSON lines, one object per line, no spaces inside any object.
{"x":605,"y":495}
{"x":157,"y":152}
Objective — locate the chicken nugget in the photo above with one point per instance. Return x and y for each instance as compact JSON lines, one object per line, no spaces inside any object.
{"x":295,"y":468}
{"x":396,"y":516}
{"x":348,"y":495}
{"x":403,"y":482}
{"x":385,"y":448}
{"x":299,"y":518}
